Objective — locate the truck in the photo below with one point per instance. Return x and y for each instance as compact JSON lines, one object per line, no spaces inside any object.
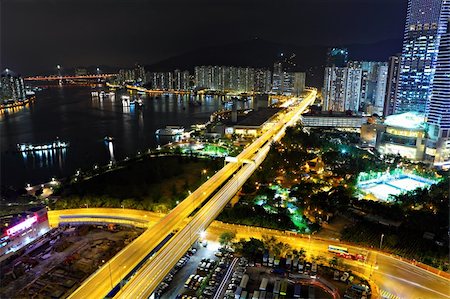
{"x":263,"y":285}
{"x":244,"y":281}
{"x":297,"y":290}
{"x":276,"y":287}
{"x":283,"y":288}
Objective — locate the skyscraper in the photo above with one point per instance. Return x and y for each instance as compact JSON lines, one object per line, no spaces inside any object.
{"x":392,"y":84}
{"x":334,"y":90}
{"x":419,"y":55}
{"x":438,"y":116}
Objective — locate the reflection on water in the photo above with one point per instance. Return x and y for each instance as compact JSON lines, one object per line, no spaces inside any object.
{"x":45,"y":158}
{"x":12,"y":110}
{"x":84,"y":116}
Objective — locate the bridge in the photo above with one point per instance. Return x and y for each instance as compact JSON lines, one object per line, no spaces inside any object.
{"x":56,"y":77}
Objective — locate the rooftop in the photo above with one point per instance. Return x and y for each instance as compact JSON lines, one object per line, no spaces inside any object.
{"x":257,"y":118}
{"x":408,"y":120}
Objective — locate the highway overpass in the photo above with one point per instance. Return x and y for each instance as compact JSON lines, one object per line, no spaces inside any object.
{"x":391,"y":274}
{"x":97,"y":286}
{"x":228,"y":180}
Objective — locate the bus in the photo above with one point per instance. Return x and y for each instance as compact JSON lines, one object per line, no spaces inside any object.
{"x":263,"y":285}
{"x":337,"y":249}
{"x":283,"y":288}
{"x":276,"y":287}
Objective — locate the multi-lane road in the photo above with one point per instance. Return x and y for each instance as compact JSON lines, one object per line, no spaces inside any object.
{"x":145,"y":281}
{"x":99,"y":284}
{"x":228,"y":180}
{"x":393,"y":275}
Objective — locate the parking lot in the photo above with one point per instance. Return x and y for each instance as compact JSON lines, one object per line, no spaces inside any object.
{"x":199,"y":268}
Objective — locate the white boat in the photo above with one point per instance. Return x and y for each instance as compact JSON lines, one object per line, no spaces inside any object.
{"x":57,"y":144}
{"x":170,"y":131}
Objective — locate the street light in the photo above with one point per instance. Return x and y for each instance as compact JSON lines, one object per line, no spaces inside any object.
{"x":381,"y":240}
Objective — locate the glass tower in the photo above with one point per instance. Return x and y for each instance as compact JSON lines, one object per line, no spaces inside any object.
{"x":419,"y":55}
{"x":438,"y":116}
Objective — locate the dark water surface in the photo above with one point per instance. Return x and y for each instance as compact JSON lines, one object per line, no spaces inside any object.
{"x":74,"y":115}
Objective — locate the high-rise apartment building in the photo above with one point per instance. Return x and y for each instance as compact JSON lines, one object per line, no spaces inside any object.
{"x":392,"y":84}
{"x":12,"y":88}
{"x":419,"y":55}
{"x":353,"y":81}
{"x":438,"y":114}
{"x":225,"y":78}
{"x":334,"y":90}
{"x":359,"y":86}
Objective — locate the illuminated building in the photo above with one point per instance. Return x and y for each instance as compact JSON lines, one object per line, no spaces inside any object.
{"x":132,"y":76}
{"x":334,"y":120}
{"x":419,"y":55}
{"x":298,"y":82}
{"x":234,"y":79}
{"x":334,"y":88}
{"x":438,"y":114}
{"x":277,"y":80}
{"x":263,"y":81}
{"x":12,"y":88}
{"x":19,"y":230}
{"x":352,"y":87}
{"x":359,"y":86}
{"x":392,"y":84}
{"x":404,"y":135}
{"x":337,"y":57}
{"x":180,"y":80}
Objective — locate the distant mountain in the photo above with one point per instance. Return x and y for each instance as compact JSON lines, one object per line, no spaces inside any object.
{"x":262,"y":53}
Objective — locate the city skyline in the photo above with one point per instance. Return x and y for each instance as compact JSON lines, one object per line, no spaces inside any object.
{"x":135,"y":38}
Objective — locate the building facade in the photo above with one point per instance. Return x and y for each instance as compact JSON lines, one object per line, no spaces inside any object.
{"x":392,"y":84}
{"x":12,"y":88}
{"x":360,"y":86}
{"x":438,"y":114}
{"x":419,"y":55}
{"x":19,"y":230}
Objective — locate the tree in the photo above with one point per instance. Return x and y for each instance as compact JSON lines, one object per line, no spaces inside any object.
{"x":226,"y":237}
{"x":269,"y":242}
{"x":333,"y":262}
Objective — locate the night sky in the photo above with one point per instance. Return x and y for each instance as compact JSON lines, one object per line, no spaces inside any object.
{"x":38,"y":34}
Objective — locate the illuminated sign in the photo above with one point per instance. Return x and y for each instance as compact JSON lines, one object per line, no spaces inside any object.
{"x":21,"y":226}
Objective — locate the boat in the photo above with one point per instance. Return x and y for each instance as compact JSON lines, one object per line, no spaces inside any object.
{"x":57,"y":144}
{"x":170,"y":131}
{"x":108,"y":139}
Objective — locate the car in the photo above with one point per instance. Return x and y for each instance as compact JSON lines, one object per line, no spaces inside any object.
{"x":336,"y":275}
{"x":218,"y":254}
{"x":345,"y":276}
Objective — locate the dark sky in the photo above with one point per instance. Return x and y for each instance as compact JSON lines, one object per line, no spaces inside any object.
{"x":38,"y":34}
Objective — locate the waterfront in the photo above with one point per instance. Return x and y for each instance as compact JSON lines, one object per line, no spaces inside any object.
{"x":73,"y":115}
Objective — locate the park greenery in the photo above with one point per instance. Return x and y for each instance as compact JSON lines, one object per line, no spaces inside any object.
{"x":153,"y":183}
{"x":321,"y":193}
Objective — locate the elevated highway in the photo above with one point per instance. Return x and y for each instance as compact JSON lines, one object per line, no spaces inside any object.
{"x":391,"y":274}
{"x":97,"y":286}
